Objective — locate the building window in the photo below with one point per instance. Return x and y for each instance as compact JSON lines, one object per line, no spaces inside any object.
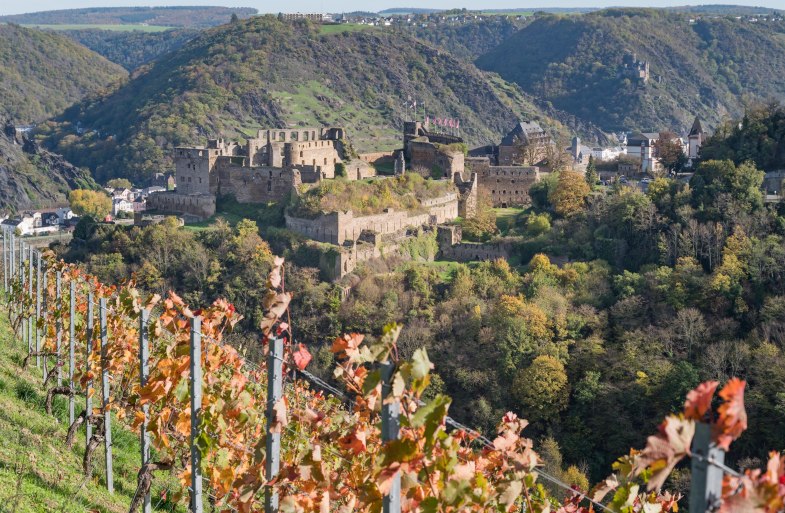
{"x":301,"y":153}
{"x":325,"y":161}
{"x":269,"y":186}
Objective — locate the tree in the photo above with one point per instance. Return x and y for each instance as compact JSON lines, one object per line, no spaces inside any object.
{"x":483,"y":224}
{"x":529,"y":153}
{"x":95,"y":204}
{"x":719,"y":181}
{"x":591,"y":173}
{"x":542,"y":389}
{"x":570,"y":194}
{"x":557,"y":158}
{"x":119,"y":183}
{"x":670,"y":153}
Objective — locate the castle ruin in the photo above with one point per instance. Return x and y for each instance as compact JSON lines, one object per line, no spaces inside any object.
{"x":496,"y":170}
{"x":266,"y":168}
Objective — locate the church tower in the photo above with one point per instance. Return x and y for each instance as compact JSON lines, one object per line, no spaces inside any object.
{"x":695,"y":139}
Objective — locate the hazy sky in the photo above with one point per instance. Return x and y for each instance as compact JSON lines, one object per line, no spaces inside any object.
{"x":18,"y":6}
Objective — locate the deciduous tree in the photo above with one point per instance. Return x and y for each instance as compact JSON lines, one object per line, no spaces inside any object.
{"x":85,"y":202}
{"x":570,"y":194}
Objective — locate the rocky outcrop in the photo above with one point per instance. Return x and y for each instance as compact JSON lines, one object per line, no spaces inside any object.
{"x":32,"y":177}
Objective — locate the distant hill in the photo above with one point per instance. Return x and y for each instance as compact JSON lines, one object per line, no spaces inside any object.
{"x":180,"y":16}
{"x":726,"y":10}
{"x":710,"y":68}
{"x":131,"y":49}
{"x":32,"y":177}
{"x":43,"y":73}
{"x":233,"y":79}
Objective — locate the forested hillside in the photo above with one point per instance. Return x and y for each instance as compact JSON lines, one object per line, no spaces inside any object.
{"x":43,"y":73}
{"x":469,"y":40}
{"x":709,"y":68}
{"x":236,"y":78}
{"x":171,"y":16}
{"x":134,"y":48}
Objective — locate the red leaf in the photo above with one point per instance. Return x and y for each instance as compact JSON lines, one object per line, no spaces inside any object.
{"x":301,"y":357}
{"x":699,"y":400}
{"x":732,"y":419}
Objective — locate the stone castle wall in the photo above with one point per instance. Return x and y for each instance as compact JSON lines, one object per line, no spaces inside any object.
{"x":197,"y":205}
{"x":451,"y":247}
{"x":321,"y":156}
{"x":256,"y":184}
{"x":426,"y":156}
{"x":507,"y":185}
{"x":340,"y":227}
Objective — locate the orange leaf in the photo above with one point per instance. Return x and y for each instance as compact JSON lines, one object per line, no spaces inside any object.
{"x":354,"y":441}
{"x":346,"y":343}
{"x":732,"y":419}
{"x":699,"y":400}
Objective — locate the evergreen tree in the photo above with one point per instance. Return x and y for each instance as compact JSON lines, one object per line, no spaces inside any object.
{"x":591,"y":173}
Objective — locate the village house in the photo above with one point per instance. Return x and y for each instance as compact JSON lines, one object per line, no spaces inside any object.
{"x":32,"y":223}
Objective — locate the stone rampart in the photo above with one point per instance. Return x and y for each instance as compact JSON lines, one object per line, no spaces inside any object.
{"x":340,"y":227}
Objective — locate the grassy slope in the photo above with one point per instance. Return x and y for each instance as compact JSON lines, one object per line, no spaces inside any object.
{"x":38,"y":473}
{"x":42,"y":73}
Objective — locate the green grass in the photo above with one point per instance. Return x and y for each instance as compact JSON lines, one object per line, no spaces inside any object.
{"x":327,"y":30}
{"x":117,"y":28}
{"x":38,"y":473}
{"x":507,"y":218}
{"x":266,"y":215}
{"x":301,"y":106}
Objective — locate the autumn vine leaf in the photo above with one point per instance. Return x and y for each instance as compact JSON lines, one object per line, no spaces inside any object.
{"x":666,"y":449}
{"x":732,"y":419}
{"x":699,"y":401}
